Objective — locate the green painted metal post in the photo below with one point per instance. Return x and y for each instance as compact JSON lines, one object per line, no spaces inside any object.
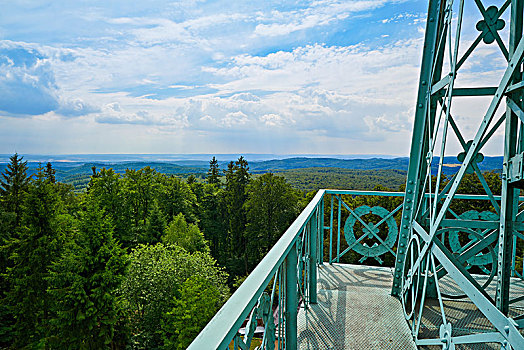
{"x":331,"y":232}
{"x":339,"y":219}
{"x":313,"y":262}
{"x":419,"y":147}
{"x":513,"y":255}
{"x":510,"y":194}
{"x":321,"y":231}
{"x":291,"y":298}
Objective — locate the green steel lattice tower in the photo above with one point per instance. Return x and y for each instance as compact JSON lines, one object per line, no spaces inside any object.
{"x":434,"y":241}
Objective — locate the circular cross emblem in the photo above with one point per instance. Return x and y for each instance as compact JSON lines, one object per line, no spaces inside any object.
{"x":483,"y":258}
{"x":370,"y":230}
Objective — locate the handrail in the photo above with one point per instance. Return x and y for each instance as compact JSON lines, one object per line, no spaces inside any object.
{"x":402,"y":194}
{"x":223,"y":327}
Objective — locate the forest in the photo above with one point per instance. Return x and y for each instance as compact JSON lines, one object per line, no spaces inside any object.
{"x":143,"y":259}
{"x":138,"y":260}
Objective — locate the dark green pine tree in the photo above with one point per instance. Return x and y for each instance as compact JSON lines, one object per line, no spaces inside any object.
{"x":191,"y":180}
{"x":271,"y":207}
{"x":44,"y":228}
{"x":213,"y":174}
{"x":105,"y":188}
{"x":82,"y":285}
{"x":213,"y":220}
{"x":50,"y":173}
{"x":237,"y":179}
{"x":155,"y":225}
{"x":13,"y":186}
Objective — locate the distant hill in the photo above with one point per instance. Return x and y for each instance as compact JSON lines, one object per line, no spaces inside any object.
{"x":79,"y":174}
{"x":451,"y":164}
{"x":313,"y":179}
{"x":325,"y":170}
{"x":303,"y":162}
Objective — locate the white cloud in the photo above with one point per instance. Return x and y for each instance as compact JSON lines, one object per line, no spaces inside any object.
{"x":234,"y":119}
{"x":232,"y":75}
{"x":272,"y":120}
{"x":319,"y":13}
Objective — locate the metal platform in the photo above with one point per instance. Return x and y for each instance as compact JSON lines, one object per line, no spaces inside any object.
{"x":355,"y":311}
{"x":464,"y":315}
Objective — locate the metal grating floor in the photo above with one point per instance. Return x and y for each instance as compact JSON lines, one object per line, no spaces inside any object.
{"x":354,"y":311}
{"x":464,"y":315}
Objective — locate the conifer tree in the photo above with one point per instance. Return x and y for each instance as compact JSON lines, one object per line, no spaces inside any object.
{"x":213,"y":174}
{"x":214,"y":221}
{"x":271,"y":207}
{"x":13,"y":186}
{"x":237,"y":179}
{"x":191,"y":180}
{"x":177,"y":197}
{"x":155,"y":226}
{"x":50,"y":173}
{"x":105,"y":188}
{"x":82,"y":285}
{"x":43,"y":230}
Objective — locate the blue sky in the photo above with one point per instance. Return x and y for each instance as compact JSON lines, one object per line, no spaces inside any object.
{"x":282,"y":77}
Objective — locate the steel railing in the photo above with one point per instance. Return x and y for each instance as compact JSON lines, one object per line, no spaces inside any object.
{"x":287,"y":276}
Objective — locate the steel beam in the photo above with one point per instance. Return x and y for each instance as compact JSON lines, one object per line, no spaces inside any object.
{"x":425,"y":113}
{"x":512,"y":145}
{"x":313,"y":251}
{"x":427,"y":204}
{"x":291,"y":301}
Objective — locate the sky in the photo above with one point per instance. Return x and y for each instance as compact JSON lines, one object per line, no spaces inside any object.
{"x":277,"y":77}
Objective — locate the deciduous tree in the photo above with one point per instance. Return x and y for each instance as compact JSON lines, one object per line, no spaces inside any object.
{"x":154,"y":279}
{"x":196,"y":303}
{"x":185,"y":235}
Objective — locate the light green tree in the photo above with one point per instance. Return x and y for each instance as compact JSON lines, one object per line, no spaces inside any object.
{"x":154,"y":278}
{"x":187,"y":236}
{"x":196,"y":304}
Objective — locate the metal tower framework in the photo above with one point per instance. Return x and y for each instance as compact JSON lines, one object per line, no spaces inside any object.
{"x":434,"y":242}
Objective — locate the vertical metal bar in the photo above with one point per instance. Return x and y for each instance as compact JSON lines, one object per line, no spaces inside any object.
{"x":321,"y":230}
{"x":450,"y":96}
{"x":281,"y":307}
{"x":313,"y":254}
{"x":331,"y":232}
{"x":509,"y":201}
{"x":417,"y":170}
{"x":513,"y":255}
{"x":339,"y":219}
{"x":307,"y":262}
{"x":291,"y":298}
